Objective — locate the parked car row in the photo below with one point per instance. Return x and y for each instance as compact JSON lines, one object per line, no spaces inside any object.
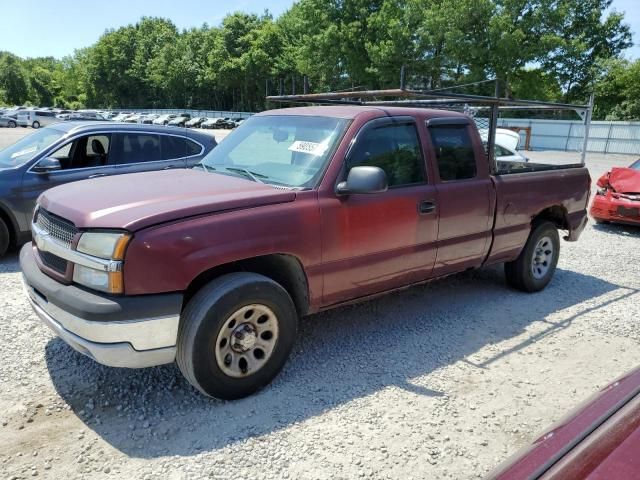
{"x":178,"y":120}
{"x":41,"y":117}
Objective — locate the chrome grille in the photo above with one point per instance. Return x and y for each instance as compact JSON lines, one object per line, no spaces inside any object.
{"x":56,"y":227}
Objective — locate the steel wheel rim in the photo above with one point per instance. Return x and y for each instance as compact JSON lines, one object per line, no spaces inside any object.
{"x":246,"y":340}
{"x":542,"y":258}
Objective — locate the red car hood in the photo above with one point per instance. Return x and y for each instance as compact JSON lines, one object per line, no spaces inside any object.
{"x":624,"y":180}
{"x":139,"y":200}
{"x":599,"y":440}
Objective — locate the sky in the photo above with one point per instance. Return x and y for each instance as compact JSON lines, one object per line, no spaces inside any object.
{"x":57,"y":28}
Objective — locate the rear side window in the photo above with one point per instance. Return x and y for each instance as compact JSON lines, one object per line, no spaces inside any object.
{"x":454,"y":152}
{"x":193,"y":148}
{"x":178,"y":147}
{"x":136,"y":148}
{"x":395,"y":148}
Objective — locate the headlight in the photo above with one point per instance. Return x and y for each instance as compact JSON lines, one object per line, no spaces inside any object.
{"x":601,"y":190}
{"x":105,"y":246}
{"x":110,"y":246}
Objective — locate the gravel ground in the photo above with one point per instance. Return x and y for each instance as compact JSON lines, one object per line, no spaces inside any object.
{"x":444,"y":380}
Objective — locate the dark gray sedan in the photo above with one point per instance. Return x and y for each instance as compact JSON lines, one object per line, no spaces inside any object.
{"x":71,"y":151}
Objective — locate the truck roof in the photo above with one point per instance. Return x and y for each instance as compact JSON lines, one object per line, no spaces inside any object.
{"x":353,"y":111}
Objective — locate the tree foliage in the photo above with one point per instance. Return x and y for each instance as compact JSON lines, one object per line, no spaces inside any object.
{"x":543,"y":49}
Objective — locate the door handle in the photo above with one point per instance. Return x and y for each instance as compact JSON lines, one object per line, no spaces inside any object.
{"x":426,"y":206}
{"x":96,"y":175}
{"x":169,"y":167}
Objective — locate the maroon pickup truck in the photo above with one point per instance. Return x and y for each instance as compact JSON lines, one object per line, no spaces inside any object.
{"x":297,"y":211}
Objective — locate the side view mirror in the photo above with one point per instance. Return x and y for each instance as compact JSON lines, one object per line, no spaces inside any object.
{"x":46,"y":165}
{"x":363,"y":180}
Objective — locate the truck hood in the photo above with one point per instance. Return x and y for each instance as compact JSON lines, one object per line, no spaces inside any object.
{"x":625,"y":180}
{"x":138,"y":200}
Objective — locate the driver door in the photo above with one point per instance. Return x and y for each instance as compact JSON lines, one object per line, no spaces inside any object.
{"x":380,"y":241}
{"x":80,"y":159}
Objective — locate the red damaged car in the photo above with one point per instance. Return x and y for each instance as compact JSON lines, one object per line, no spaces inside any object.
{"x":618,"y":196}
{"x":598,"y":441}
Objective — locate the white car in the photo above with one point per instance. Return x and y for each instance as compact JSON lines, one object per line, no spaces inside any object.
{"x":506,"y":148}
{"x":122,"y":116}
{"x":164,"y":119}
{"x":36,"y":118}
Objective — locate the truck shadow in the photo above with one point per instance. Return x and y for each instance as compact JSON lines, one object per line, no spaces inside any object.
{"x":618,"y":229}
{"x":9,"y":262}
{"x":341,"y":355}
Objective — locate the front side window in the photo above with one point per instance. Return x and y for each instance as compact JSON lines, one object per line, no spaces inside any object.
{"x":395,"y":148}
{"x":90,"y":151}
{"x":287,"y":150}
{"x":454,"y":152}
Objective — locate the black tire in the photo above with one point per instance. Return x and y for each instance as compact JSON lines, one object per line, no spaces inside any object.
{"x":35,"y":125}
{"x":5,"y":238}
{"x":12,"y":124}
{"x":520,"y":272}
{"x":209,"y":311}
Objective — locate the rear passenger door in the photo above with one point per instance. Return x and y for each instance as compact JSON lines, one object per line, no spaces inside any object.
{"x":465,"y":195}
{"x":142,"y":151}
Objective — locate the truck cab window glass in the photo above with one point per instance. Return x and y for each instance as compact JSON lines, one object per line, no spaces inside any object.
{"x":395,"y":148}
{"x":28,"y":147}
{"x":454,"y":152}
{"x":285,"y":150}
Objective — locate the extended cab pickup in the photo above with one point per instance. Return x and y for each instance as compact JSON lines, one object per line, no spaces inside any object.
{"x":297,"y":211}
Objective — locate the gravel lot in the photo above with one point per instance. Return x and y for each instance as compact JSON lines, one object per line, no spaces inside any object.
{"x":440,"y":381}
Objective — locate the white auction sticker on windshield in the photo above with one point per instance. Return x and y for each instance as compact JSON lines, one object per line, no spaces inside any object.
{"x":26,"y":151}
{"x":311,"y":148}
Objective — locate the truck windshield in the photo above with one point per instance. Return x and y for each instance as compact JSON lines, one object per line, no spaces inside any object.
{"x":284,"y":150}
{"x":28,"y":147}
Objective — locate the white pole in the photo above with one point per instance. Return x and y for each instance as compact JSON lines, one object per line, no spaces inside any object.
{"x":587,"y":125}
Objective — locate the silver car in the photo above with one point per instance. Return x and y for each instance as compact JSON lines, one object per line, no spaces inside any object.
{"x":8,"y":121}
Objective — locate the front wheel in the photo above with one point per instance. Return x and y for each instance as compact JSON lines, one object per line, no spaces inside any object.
{"x":12,"y":124}
{"x":4,"y":237}
{"x":235,"y":335}
{"x":536,"y":264}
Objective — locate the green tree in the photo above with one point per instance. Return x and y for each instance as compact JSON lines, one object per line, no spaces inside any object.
{"x":14,"y":81}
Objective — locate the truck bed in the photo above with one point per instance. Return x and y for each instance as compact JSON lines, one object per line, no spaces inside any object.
{"x":521,"y":195}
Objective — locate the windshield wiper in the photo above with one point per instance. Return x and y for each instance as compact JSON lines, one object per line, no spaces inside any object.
{"x":252,"y":175}
{"x":204,"y":167}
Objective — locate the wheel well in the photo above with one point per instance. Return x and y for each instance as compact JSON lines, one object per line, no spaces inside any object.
{"x":13,"y":238}
{"x":556,"y":215}
{"x":281,"y":268}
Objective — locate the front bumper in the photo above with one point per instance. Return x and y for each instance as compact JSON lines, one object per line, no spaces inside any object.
{"x":608,"y":208}
{"x":132,"y":332}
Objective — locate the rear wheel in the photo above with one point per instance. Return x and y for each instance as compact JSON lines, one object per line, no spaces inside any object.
{"x":536,"y":264}
{"x":235,"y":335}
{"x":5,"y":237}
{"x":12,"y":124}
{"x":35,"y":124}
